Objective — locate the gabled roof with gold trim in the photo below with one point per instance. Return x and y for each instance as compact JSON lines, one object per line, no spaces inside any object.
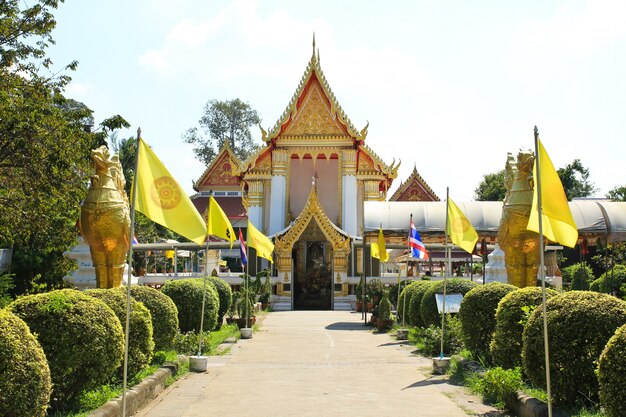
{"x":313,"y":72}
{"x":414,"y":189}
{"x":221,"y":172}
{"x":312,"y":211}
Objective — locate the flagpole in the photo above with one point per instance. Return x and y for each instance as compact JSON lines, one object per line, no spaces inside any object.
{"x":447,"y":258}
{"x":542,"y":273}
{"x":206,"y":267}
{"x":129,"y":261}
{"x":408,"y":255}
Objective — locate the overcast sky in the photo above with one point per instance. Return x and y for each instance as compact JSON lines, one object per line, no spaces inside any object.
{"x":447,"y":86}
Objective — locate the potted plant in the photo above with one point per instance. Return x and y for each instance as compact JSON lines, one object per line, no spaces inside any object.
{"x":246,"y":314}
{"x":384,"y":321}
{"x":266,"y":291}
{"x":232,"y":310}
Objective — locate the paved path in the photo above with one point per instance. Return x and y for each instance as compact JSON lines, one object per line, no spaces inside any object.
{"x":304,"y":363}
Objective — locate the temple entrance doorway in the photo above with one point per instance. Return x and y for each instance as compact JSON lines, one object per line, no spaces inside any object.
{"x":312,"y":257}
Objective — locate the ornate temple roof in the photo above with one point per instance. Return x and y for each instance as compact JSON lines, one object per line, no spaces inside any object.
{"x":221,"y":172}
{"x":414,"y":189}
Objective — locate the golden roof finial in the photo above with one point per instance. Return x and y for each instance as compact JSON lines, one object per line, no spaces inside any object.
{"x":313,"y":44}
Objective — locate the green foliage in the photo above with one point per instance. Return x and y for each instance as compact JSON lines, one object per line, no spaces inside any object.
{"x":359,"y":289}
{"x":611,"y":281}
{"x":81,"y":337}
{"x":140,"y":343}
{"x":375,"y":290}
{"x":187,"y":295}
{"x":163,"y":312}
{"x":498,"y":386}
{"x":575,"y":180}
{"x":611,"y":371}
{"x":224,"y":122}
{"x":393,"y":291}
{"x":511,"y":316}
{"x":246,"y":304}
{"x":6,"y":285}
{"x":428,"y":306}
{"x":25,"y":385}
{"x":414,"y":304}
{"x":187,"y":343}
{"x":427,"y":340}
{"x":579,"y":274}
{"x":618,"y":193}
{"x":491,"y":188}
{"x":225,"y":295}
{"x":478,"y":316}
{"x":384,"y":309}
{"x":580,"y":323}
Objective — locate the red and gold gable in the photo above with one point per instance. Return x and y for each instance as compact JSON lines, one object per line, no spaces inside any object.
{"x":220,"y":173}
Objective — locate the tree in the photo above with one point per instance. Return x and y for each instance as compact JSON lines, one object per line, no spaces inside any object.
{"x":575,"y":179}
{"x":491,"y":188}
{"x":224,"y":121}
{"x":617,"y":193}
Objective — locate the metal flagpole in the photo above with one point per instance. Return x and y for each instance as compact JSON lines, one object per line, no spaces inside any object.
{"x":246,"y":278}
{"x":206,"y":267}
{"x":408,"y":255}
{"x":447,"y":256}
{"x":364,"y":277}
{"x":129,"y":276}
{"x":542,"y":273}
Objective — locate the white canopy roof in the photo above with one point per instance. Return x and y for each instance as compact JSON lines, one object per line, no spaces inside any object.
{"x":598,"y":218}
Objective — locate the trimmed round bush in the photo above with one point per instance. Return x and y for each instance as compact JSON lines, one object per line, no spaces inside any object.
{"x":225,"y":295}
{"x":580,"y":323}
{"x":187,"y":295}
{"x":80,"y":336}
{"x":25,"y":385}
{"x":163,"y":312}
{"x":428,"y":307}
{"x":140,"y":343}
{"x":405,"y":298}
{"x":478,"y":316}
{"x":580,"y":275}
{"x":610,"y":281}
{"x":414,"y":305}
{"x":611,"y":375}
{"x":511,"y":315}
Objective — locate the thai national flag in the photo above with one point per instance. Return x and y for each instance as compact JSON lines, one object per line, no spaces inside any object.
{"x":242,"y":249}
{"x":135,"y":241}
{"x":418,"y":250}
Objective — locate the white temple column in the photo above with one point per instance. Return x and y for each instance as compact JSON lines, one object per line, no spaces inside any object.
{"x":278,"y":192}
{"x":349,"y":193}
{"x":255,"y":203}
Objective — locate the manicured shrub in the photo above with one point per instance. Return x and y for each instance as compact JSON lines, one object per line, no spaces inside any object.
{"x":187,"y":295}
{"x":415,"y":303}
{"x":140,"y":343}
{"x":580,"y":275}
{"x":511,"y":316}
{"x":384,"y":309}
{"x":478,"y":316}
{"x":25,"y":383}
{"x":611,"y":371}
{"x":405,"y":300}
{"x":81,"y":337}
{"x":225,"y":295}
{"x":580,"y":323}
{"x":163,"y":312}
{"x":428,"y":307}
{"x":497,"y":386}
{"x":611,"y":281}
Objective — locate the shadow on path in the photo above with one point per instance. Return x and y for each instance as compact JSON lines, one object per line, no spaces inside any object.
{"x":426,"y":382}
{"x":348,"y":326}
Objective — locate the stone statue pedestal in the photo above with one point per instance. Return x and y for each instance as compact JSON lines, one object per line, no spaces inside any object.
{"x":495,"y":271}
{"x":84,"y":277}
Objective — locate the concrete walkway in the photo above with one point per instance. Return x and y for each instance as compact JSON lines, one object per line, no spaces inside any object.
{"x":304,"y":363}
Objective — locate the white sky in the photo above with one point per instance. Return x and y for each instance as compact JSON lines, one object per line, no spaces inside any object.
{"x":450,"y":87}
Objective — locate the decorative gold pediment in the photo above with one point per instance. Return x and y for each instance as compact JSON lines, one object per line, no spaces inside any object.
{"x":222,"y":171}
{"x":414,"y":189}
{"x":312,"y":211}
{"x":314,"y":117}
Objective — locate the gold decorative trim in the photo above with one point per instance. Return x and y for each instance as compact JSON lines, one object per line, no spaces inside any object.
{"x":288,"y":187}
{"x":232,"y":158}
{"x":340,"y":190}
{"x":415,"y":176}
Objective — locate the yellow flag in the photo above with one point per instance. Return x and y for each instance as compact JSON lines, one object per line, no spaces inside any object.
{"x":257,"y":240}
{"x":460,"y":229}
{"x":382,"y":249}
{"x":374,"y":250}
{"x":556,"y":218}
{"x":162,"y":200}
{"x":218,"y":224}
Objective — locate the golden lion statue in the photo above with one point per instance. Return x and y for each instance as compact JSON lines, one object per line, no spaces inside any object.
{"x":520,"y":246}
{"x":105,"y":219}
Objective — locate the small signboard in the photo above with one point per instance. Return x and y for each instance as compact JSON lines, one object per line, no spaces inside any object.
{"x":453,"y":302}
{"x":5,"y":259}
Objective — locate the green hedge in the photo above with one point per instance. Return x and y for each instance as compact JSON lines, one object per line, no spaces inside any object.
{"x":225,"y":295}
{"x":187,"y":295}
{"x":80,"y":335}
{"x":580,"y":275}
{"x":580,"y":323}
{"x":610,"y":281}
{"x":25,"y":385}
{"x":511,"y":316}
{"x":140,"y":343}
{"x":415,"y":303}
{"x":611,"y":371}
{"x":405,"y":297}
{"x":428,"y":307}
{"x":478,"y":316}
{"x":163,"y":312}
